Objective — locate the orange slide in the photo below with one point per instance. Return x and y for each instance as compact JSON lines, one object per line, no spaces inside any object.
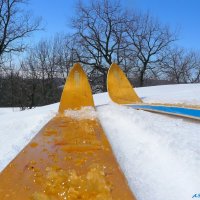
{"x":70,"y":158}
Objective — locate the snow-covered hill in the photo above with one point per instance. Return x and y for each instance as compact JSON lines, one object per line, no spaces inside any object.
{"x":159,"y":155}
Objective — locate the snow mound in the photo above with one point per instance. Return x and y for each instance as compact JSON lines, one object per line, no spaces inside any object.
{"x":18,"y":128}
{"x":159,"y":155}
{"x":188,"y":94}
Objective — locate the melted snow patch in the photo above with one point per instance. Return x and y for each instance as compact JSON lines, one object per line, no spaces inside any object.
{"x":87,"y":112}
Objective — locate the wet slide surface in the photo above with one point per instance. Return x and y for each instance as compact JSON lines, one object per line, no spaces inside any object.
{"x":70,"y":158}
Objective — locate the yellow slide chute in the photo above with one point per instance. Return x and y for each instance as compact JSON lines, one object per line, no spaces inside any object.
{"x":77,"y":92}
{"x":70,"y":158}
{"x":119,"y":87}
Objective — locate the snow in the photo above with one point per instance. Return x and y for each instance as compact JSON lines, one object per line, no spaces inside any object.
{"x":18,"y":128}
{"x":159,"y":155}
{"x":87,"y":112}
{"x":188,"y":94}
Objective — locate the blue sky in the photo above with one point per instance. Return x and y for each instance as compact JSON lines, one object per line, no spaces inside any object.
{"x":181,"y":14}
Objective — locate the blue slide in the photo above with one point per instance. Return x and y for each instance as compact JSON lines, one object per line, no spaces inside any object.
{"x":171,"y":110}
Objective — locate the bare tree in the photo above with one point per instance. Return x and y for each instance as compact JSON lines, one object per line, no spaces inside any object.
{"x":99,"y":31}
{"x":15,"y":25}
{"x":107,"y":33}
{"x":44,"y":70}
{"x":149,"y":41}
{"x":103,"y":33}
{"x":182,"y":66}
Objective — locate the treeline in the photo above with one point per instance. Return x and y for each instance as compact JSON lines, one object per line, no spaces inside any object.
{"x":103,"y":32}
